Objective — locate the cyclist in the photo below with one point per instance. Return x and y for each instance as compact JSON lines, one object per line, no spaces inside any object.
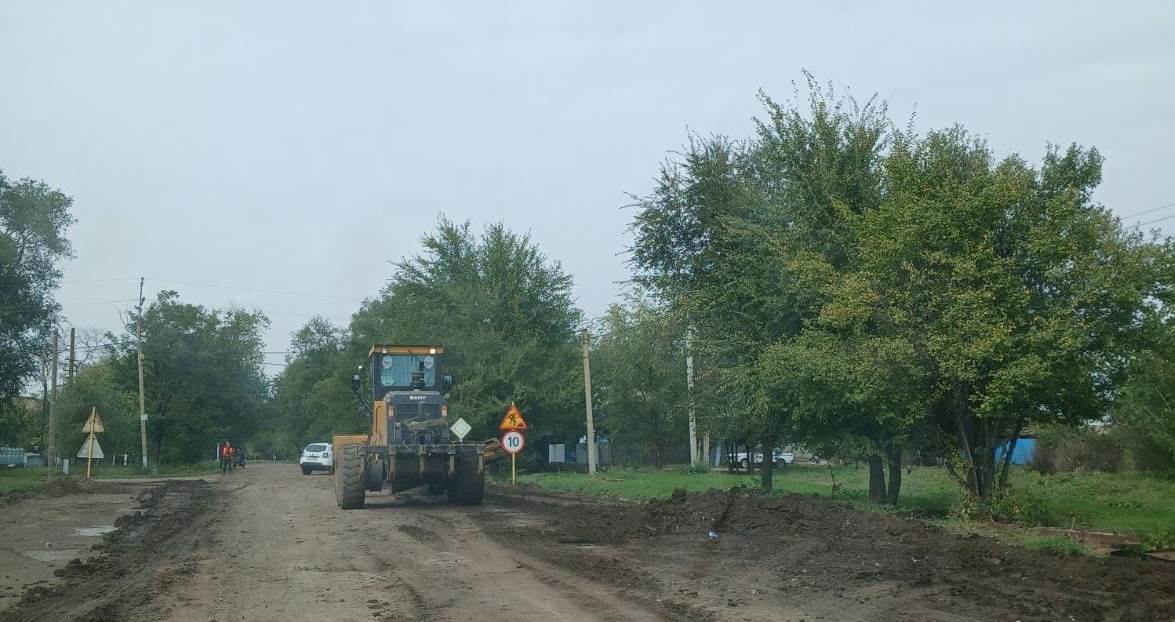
{"x":226,"y":457}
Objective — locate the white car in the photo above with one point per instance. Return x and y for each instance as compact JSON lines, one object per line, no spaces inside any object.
{"x":316,"y":457}
{"x":779,"y":458}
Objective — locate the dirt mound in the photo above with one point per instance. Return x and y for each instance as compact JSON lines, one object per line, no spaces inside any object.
{"x":124,"y":574}
{"x":806,"y":545}
{"x":66,"y":486}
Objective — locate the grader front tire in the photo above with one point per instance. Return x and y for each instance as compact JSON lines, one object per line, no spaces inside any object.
{"x":349,"y":489}
{"x":468,"y":485}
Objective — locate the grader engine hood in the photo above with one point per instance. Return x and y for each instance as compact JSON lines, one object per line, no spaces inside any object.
{"x":417,"y":417}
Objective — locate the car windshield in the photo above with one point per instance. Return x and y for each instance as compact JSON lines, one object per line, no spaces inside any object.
{"x":315,"y":448}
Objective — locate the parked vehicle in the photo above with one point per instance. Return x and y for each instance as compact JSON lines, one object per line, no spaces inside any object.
{"x":317,"y":457}
{"x":779,"y":458}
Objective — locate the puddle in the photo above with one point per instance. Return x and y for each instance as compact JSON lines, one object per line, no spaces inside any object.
{"x":94,"y":532}
{"x":50,"y":555}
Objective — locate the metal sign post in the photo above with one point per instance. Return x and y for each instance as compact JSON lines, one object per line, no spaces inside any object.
{"x":513,"y":441}
{"x":90,"y":457}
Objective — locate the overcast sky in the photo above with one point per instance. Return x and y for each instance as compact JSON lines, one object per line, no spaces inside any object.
{"x":298,"y":146}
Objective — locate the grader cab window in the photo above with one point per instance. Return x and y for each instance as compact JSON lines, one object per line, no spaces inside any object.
{"x":398,"y":370}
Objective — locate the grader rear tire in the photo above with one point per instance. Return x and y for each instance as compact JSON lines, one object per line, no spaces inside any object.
{"x":468,"y":485}
{"x":349,"y":490}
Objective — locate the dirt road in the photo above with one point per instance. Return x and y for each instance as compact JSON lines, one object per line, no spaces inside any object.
{"x":269,"y":544}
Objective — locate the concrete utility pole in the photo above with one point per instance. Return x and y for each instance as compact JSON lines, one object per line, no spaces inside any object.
{"x":49,"y":455}
{"x":689,"y":398}
{"x":585,"y":341}
{"x":72,"y":353}
{"x":142,"y":405}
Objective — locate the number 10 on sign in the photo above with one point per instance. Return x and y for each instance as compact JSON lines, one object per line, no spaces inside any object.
{"x":512,"y":443}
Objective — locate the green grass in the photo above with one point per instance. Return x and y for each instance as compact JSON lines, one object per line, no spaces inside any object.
{"x":1125,"y":503}
{"x":1066,"y":547}
{"x":23,"y":480}
{"x":924,"y":489}
{"x":1118,"y":502}
{"x":177,"y":470}
{"x":20,"y":479}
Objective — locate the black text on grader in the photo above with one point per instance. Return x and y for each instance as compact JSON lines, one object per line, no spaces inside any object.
{"x":410,"y":443}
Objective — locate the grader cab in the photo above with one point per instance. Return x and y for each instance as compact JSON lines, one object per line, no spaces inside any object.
{"x":409,"y":443}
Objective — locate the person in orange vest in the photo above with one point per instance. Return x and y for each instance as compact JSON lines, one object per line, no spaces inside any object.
{"x":226,"y":457}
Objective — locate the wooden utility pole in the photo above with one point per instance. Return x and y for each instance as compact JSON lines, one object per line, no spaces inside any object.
{"x":142,"y":403}
{"x":585,"y":341}
{"x":689,"y":398}
{"x":72,"y":353}
{"x":49,"y":455}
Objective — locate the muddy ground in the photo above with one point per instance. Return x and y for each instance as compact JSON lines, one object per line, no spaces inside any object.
{"x":269,"y":544}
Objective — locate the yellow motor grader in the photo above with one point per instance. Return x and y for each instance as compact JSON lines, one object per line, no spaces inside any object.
{"x":410,"y":443}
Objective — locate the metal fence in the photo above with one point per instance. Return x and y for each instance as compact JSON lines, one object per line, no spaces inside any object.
{"x":17,"y":456}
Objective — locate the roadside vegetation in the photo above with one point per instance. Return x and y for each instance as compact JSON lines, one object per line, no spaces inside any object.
{"x":24,"y":480}
{"x":840,"y":281}
{"x":21,"y":480}
{"x":1128,"y":504}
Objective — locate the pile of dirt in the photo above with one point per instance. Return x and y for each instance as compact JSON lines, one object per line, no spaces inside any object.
{"x":811,"y":545}
{"x":124,"y":574}
{"x":65,"y":486}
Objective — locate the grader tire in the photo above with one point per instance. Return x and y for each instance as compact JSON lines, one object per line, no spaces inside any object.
{"x":349,"y":478}
{"x":468,"y":485}
{"x":373,"y":476}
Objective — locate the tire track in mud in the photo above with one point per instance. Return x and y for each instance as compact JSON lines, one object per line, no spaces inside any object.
{"x":135,"y":562}
{"x":484,"y":580}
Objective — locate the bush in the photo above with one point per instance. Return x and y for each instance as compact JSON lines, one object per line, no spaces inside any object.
{"x":1063,"y":450}
{"x":1060,"y":545}
{"x":1146,"y":454}
{"x":1026,"y":506}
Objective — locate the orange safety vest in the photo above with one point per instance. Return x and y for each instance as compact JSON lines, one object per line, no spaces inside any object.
{"x":227,"y":452}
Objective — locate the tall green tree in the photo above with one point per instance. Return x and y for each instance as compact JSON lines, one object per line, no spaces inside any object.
{"x":311,"y":397}
{"x":1020,"y":295}
{"x":33,"y":221}
{"x":203,"y":376}
{"x":1144,"y":408}
{"x":505,"y":315}
{"x":98,"y":386}
{"x":638,"y":381}
{"x":726,"y":234}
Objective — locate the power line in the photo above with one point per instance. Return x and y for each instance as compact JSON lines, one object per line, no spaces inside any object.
{"x":72,"y":304}
{"x":102,"y":302}
{"x":1148,"y":211}
{"x":260,"y":290}
{"x":110,"y":280}
{"x":1157,"y":219}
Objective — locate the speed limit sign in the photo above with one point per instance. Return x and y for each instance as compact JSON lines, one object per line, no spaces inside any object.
{"x":513,"y":442}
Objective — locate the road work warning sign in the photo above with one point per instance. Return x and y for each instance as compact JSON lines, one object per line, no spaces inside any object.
{"x":93,"y":423}
{"x":513,"y":420}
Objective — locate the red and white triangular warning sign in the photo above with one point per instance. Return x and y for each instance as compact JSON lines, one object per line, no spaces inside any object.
{"x":513,"y":420}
